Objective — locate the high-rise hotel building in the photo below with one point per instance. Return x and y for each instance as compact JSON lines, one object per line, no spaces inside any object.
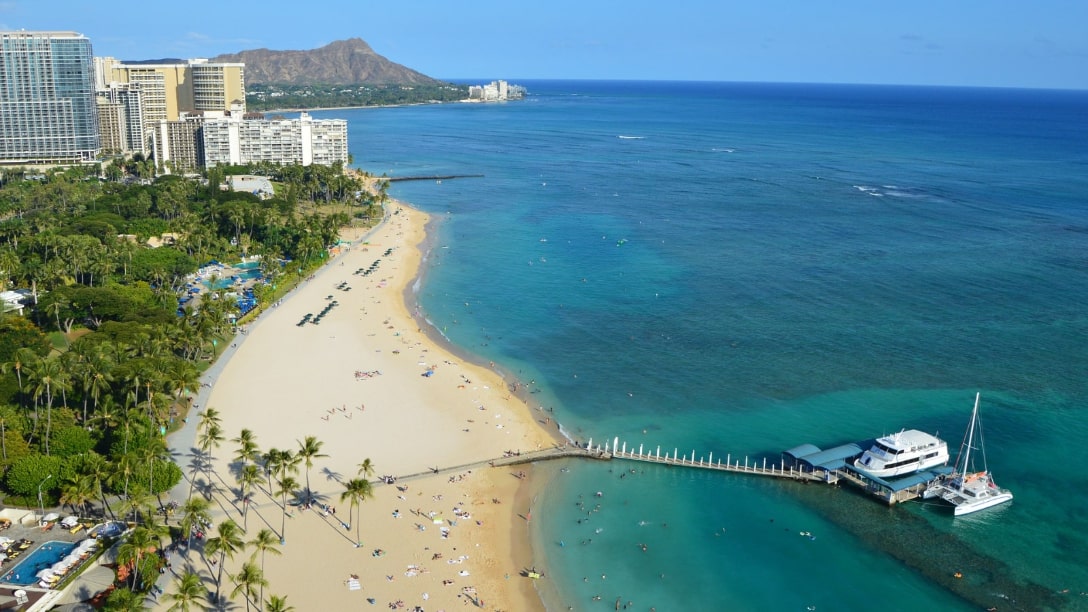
{"x":169,"y":90}
{"x":47,"y":98}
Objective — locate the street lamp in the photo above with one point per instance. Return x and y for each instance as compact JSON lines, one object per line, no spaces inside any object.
{"x":40,"y":503}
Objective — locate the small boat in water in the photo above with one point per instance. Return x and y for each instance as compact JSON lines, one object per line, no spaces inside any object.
{"x":967,"y":488}
{"x":903,"y":453}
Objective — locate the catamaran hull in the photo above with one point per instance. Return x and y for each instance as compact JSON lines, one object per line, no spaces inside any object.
{"x":981,"y":504}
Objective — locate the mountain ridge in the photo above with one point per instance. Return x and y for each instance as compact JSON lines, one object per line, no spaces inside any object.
{"x":342,"y":62}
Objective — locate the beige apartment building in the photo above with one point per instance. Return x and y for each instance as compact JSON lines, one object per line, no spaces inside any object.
{"x":170,"y":90}
{"x":120,"y":118}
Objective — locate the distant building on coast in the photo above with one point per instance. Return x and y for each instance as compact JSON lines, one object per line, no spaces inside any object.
{"x":496,"y":91}
{"x":48,"y":112}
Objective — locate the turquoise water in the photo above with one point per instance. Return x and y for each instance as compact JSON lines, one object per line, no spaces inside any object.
{"x":751,"y":267}
{"x":25,"y":571}
{"x":243,"y":271}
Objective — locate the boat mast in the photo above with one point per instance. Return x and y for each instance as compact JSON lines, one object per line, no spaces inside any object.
{"x":970,"y":437}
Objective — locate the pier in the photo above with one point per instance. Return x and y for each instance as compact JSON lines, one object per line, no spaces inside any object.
{"x":443,"y":177}
{"x":805,"y":463}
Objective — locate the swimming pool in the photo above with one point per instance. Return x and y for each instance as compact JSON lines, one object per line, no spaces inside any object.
{"x":230,"y":275}
{"x":25,"y":572}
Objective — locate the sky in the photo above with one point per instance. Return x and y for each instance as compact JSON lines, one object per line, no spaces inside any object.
{"x":994,"y":43}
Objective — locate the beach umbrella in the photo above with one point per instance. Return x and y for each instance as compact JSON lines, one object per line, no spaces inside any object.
{"x":59,"y":567}
{"x":46,"y":574}
{"x":52,"y":516}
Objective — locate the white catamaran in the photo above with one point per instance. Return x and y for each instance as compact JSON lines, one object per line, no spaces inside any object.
{"x":966,"y":489}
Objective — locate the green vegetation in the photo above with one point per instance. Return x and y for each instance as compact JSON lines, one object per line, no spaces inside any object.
{"x":271,"y":97}
{"x":102,"y":363}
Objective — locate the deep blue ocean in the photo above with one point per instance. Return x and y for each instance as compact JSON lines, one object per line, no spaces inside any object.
{"x":742,"y":268}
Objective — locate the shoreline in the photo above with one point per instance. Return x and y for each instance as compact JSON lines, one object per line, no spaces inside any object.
{"x":332,"y":108}
{"x":282,"y":400}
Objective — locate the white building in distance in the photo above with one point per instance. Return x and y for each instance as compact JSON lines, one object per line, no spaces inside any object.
{"x":496,"y":91}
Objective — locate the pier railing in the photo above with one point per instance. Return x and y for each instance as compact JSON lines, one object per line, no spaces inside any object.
{"x":616,"y":450}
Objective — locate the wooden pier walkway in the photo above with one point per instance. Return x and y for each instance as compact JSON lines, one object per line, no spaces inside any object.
{"x":513,"y":458}
{"x":615,"y":450}
{"x":431,"y":177}
{"x":608,"y":453}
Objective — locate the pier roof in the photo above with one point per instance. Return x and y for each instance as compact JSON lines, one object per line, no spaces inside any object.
{"x":800,"y":452}
{"x":911,"y":480}
{"x":832,"y":458}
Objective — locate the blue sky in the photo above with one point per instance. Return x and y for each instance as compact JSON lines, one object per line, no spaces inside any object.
{"x":1004,"y":43}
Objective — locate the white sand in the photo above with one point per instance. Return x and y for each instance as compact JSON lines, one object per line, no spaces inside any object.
{"x":286,"y":382}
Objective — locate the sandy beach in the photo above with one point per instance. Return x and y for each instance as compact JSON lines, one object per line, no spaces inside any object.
{"x":368,"y":383}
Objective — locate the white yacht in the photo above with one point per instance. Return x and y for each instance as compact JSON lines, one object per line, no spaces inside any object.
{"x":966,"y":488}
{"x":903,"y":453}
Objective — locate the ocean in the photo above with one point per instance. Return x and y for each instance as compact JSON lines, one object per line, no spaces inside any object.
{"x":738,"y":269}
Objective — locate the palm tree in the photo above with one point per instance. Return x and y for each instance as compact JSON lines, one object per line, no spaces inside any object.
{"x":366,"y":468}
{"x":209,"y":417}
{"x":140,"y":542}
{"x":194,"y":514}
{"x":124,"y":600}
{"x":154,"y":451}
{"x":310,"y":449}
{"x":98,"y":381}
{"x":50,"y":377}
{"x":21,"y":358}
{"x":271,"y":461}
{"x":248,"y":478}
{"x":108,"y":414}
{"x":211,"y":437}
{"x":247,"y":447}
{"x":357,"y":490}
{"x":181,"y":376}
{"x":76,"y":491}
{"x":57,"y":303}
{"x":226,"y":544}
{"x":189,"y":593}
{"x":286,"y":463}
{"x":265,"y":542}
{"x":96,"y":469}
{"x":247,"y":580}
{"x":276,"y":603}
{"x":123,"y":468}
{"x":287,"y":484}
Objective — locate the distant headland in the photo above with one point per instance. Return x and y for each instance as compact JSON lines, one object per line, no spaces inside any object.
{"x":347,"y":73}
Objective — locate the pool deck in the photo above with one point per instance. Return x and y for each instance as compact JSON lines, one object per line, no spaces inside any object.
{"x":37,"y":597}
